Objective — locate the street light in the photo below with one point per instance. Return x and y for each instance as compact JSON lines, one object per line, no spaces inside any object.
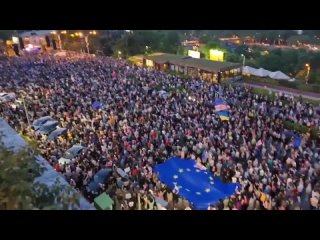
{"x":308,"y":72}
{"x":244,"y":60}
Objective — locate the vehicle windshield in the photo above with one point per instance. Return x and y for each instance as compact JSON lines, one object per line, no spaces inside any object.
{"x":48,"y":128}
{"x":67,"y":155}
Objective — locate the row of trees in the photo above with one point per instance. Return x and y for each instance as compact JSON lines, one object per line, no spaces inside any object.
{"x":146,"y":41}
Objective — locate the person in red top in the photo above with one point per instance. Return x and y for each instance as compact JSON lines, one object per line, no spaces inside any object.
{"x":57,"y":167}
{"x":134,"y":172}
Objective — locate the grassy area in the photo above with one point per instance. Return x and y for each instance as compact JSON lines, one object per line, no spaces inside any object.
{"x":264,"y":92}
{"x":298,"y":84}
{"x":311,"y":101}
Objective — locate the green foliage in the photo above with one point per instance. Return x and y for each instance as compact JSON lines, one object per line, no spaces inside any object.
{"x":6,"y":34}
{"x":309,"y":88}
{"x":205,"y":39}
{"x":314,"y":133}
{"x":141,"y":41}
{"x":18,"y":191}
{"x":264,"y":92}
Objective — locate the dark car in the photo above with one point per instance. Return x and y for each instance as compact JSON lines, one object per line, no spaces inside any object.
{"x":56,"y":133}
{"x":39,"y":122}
{"x":72,"y":152}
{"x":47,"y":128}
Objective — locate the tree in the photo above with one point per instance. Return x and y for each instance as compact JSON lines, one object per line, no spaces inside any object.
{"x":6,"y":34}
{"x":270,"y":62}
{"x":205,"y":39}
{"x":171,"y":42}
{"x":18,"y":189}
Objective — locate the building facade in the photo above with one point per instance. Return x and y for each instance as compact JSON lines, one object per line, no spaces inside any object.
{"x":212,"y":71}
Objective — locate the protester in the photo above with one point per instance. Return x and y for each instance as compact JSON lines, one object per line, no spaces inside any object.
{"x":115,"y":110}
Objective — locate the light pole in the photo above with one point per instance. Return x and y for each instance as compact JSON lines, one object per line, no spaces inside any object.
{"x":25,"y":110}
{"x":308,"y":72}
{"x":244,"y":60}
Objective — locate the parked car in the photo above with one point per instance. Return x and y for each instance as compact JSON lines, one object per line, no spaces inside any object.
{"x":56,"y":133}
{"x":7,"y":97}
{"x":47,"y":128}
{"x":72,"y":152}
{"x":39,"y":122}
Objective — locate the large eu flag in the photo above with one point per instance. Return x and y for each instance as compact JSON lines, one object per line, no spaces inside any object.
{"x":198,"y":186}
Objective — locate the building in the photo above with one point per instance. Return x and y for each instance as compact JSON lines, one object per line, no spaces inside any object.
{"x":202,"y":68}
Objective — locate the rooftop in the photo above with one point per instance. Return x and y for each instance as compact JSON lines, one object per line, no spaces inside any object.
{"x":203,"y":64}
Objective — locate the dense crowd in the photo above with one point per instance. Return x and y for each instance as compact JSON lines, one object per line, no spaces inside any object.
{"x":137,"y":128}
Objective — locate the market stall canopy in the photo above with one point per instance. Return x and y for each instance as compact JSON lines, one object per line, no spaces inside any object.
{"x":278,"y":75}
{"x":249,"y":70}
{"x":261,"y":72}
{"x":103,"y":202}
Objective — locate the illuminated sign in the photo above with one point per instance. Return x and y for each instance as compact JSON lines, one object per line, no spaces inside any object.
{"x":216,"y":55}
{"x":193,"y":54}
{"x":149,"y":63}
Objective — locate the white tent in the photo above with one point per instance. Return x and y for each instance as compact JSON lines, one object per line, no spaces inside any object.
{"x":249,"y":70}
{"x":261,"y":72}
{"x":278,"y":75}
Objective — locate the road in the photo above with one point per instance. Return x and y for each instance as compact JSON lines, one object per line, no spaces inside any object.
{"x":288,"y":91}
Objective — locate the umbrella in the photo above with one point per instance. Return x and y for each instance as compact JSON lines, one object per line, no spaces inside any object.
{"x":96,"y":105}
{"x":103,"y":202}
{"x":102,"y":175}
{"x":93,"y":186}
{"x":121,"y":172}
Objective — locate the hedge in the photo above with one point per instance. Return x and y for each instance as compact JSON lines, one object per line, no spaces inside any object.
{"x":314,"y":133}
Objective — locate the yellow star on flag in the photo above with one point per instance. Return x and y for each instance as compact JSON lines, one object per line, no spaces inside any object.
{"x":211,"y":182}
{"x":188,"y":190}
{"x":207,"y":190}
{"x":198,"y":193}
{"x":180,"y":170}
{"x":197,"y":170}
{"x":211,"y":178}
{"x":175,"y":176}
{"x":188,"y":169}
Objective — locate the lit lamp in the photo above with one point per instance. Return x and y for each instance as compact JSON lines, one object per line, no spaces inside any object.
{"x":308,"y":72}
{"x":244,"y":60}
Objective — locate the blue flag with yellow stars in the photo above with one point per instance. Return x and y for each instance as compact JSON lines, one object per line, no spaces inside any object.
{"x":196,"y":185}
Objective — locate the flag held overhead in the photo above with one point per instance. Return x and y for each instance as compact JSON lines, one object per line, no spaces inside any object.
{"x":198,"y":186}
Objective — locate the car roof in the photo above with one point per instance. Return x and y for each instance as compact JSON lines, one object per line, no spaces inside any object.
{"x":59,"y":130}
{"x":50,"y":123}
{"x":76,"y":147}
{"x":43,"y":118}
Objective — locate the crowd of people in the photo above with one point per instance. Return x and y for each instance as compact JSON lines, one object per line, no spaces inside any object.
{"x":136,"y":128}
